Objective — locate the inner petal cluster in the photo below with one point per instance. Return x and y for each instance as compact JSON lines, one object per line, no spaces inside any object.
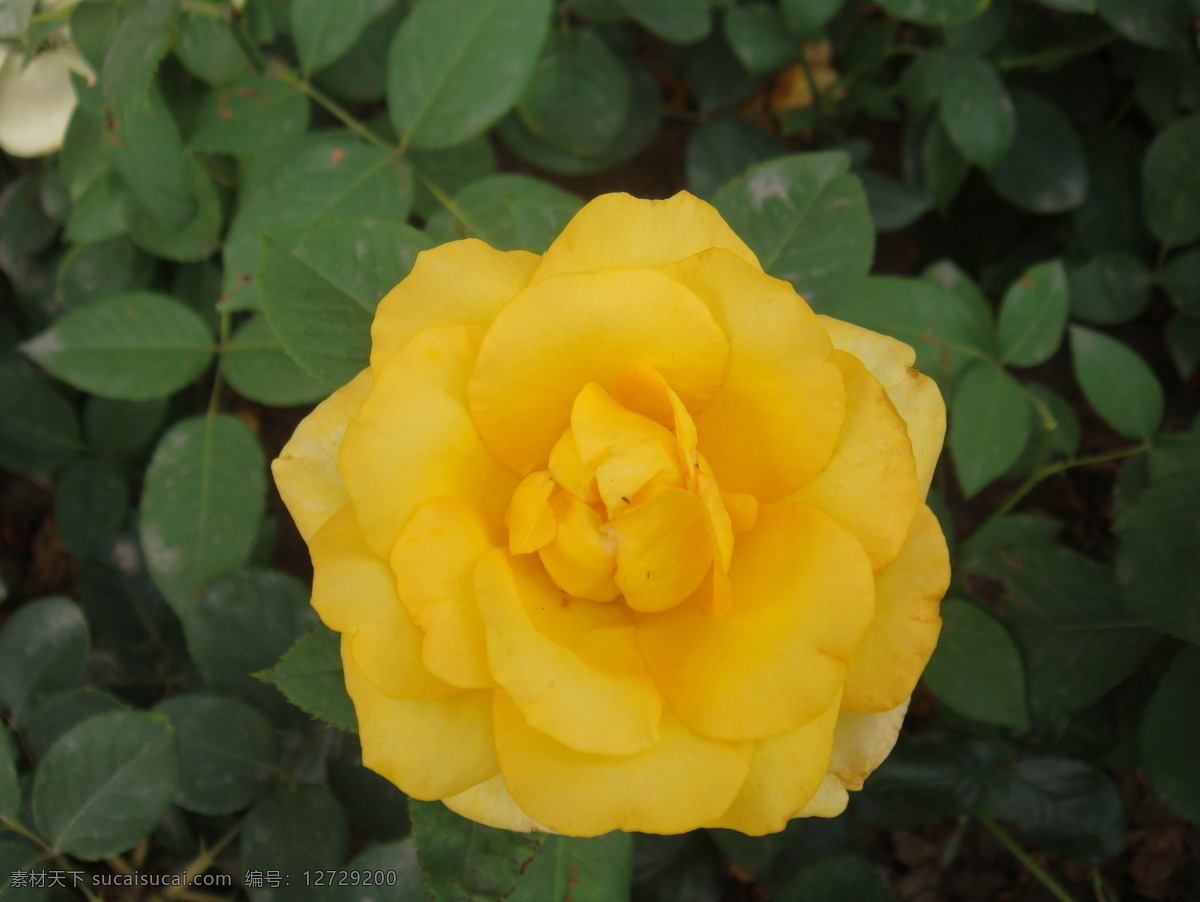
{"x":627,"y":507}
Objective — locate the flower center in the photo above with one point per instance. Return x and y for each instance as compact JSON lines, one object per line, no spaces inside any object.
{"x":627,"y":506}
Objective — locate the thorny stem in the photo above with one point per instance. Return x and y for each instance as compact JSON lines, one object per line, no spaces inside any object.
{"x":1054,"y":887}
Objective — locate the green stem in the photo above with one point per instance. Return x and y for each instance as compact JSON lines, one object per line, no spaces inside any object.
{"x":214,"y":396}
{"x":203,"y":862}
{"x":1045,"y":472}
{"x":286,"y":73}
{"x":1054,"y":887}
{"x":1054,"y":57}
{"x":21,"y":830}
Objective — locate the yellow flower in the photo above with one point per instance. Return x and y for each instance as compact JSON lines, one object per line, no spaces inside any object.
{"x":623,"y":536}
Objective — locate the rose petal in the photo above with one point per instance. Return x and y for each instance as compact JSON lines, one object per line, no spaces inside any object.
{"x":562,"y":333}
{"x":774,"y":421}
{"x":430,"y":749}
{"x":306,"y":470}
{"x":434,"y":566}
{"x":616,"y":231}
{"x":355,"y":594}
{"x":897,"y":645}
{"x":459,"y":283}
{"x":786,"y":772}
{"x":580,"y":558}
{"x":803,"y":594}
{"x":490,"y":804}
{"x":681,"y":781}
{"x":870,"y":483}
{"x":589,"y":708}
{"x":413,"y":440}
{"x":916,"y":396}
{"x":36,"y":100}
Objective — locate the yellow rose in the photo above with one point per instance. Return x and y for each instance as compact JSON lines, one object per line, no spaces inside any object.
{"x":623,"y":536}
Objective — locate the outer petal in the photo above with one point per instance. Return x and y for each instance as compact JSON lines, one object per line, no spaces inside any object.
{"x":490,"y":804}
{"x":860,"y":743}
{"x":774,"y":421}
{"x":870,"y":485}
{"x":434,"y":566}
{"x":564,"y":332}
{"x":803,"y":594}
{"x":354,"y":592}
{"x":899,"y":641}
{"x":589,"y":708}
{"x":616,"y":231}
{"x":459,"y":283}
{"x":306,"y":470}
{"x":413,"y":440}
{"x":785,"y":773}
{"x":36,"y":100}
{"x":678,"y":784}
{"x":915,"y":395}
{"x":430,"y":749}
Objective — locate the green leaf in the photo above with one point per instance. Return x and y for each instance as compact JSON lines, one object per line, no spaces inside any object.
{"x":10,"y":788}
{"x":1183,"y":341}
{"x":935,"y":12}
{"x":90,"y":499}
{"x":760,"y":37}
{"x":1155,"y":23}
{"x":394,"y":859}
{"x":121,"y":428}
{"x":947,"y":331}
{"x":142,"y":140}
{"x":715,"y":78}
{"x":324,"y":31}
{"x":456,"y":66}
{"x":806,"y":218}
{"x":1112,"y":287}
{"x":509,"y":212}
{"x":133,"y":347}
{"x":723,"y":148}
{"x":250,"y":115}
{"x":228,"y":753}
{"x":208,"y":49}
{"x":1117,"y":383}
{"x":1066,"y":807}
{"x":804,"y":16}
{"x":1045,"y":171}
{"x":976,"y":669}
{"x":243,"y":624}
{"x":258,"y":368}
{"x":18,"y":855}
{"x":989,"y":426}
{"x":1181,"y":279}
{"x":201,"y":506}
{"x":50,"y":716}
{"x":1157,"y":562}
{"x":1171,"y":183}
{"x":43,"y":648}
{"x":96,"y":214}
{"x":463,"y":860}
{"x":578,"y":95}
{"x":105,"y":785}
{"x":636,"y":133}
{"x":837,"y":879}
{"x":569,"y":869}
{"x":977,"y":112}
{"x":1167,"y":736}
{"x":360,"y":74}
{"x":316,"y":179}
{"x":943,"y":167}
{"x":38,"y":432}
{"x":677,"y":21}
{"x":297,"y":828}
{"x":320,"y":286}
{"x":939,"y":774}
{"x":1078,"y":637}
{"x":1112,"y":219}
{"x":1033,"y":315}
{"x":93,"y":271}
{"x":310,"y":675}
{"x":894,"y":204}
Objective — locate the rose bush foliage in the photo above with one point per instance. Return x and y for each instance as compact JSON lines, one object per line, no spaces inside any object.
{"x":624,"y":536}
